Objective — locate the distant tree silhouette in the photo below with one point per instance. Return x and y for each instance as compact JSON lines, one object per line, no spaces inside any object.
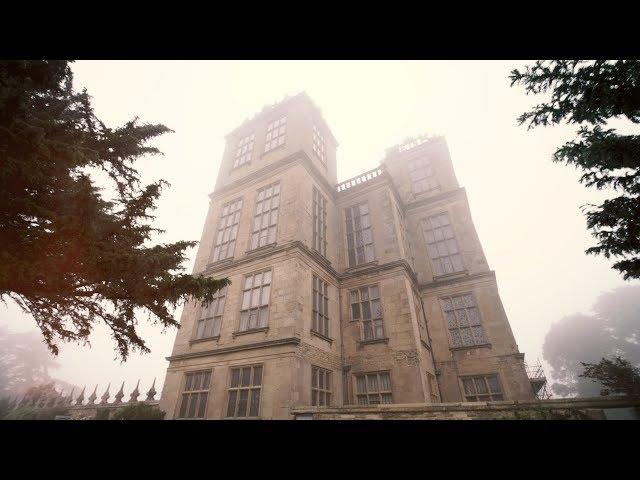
{"x":589,"y":94}
{"x":25,"y":362}
{"x":40,"y":392}
{"x":69,"y":255}
{"x":6,"y":405}
{"x":613,"y":329}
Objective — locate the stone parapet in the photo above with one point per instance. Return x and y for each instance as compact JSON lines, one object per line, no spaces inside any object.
{"x":596,"y":408}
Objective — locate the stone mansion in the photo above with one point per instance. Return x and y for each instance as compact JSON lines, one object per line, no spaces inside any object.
{"x":371,"y":291}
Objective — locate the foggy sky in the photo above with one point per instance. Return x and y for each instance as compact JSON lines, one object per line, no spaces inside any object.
{"x":525,"y":208}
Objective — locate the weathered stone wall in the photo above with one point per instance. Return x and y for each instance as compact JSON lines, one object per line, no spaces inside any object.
{"x":301,"y":116}
{"x":438,"y":153}
{"x":599,"y":408}
{"x":89,"y":412}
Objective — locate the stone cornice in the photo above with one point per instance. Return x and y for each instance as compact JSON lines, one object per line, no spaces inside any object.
{"x":213,"y":268}
{"x":433,"y":142}
{"x":237,"y":348}
{"x":460,"y":191}
{"x":377,"y":268}
{"x":267,"y":110}
{"x":590,"y":402}
{"x":268,"y":170}
{"x":322,"y":262}
{"x":461,"y":279}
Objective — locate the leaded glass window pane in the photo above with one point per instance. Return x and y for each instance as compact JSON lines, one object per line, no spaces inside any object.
{"x":265,"y":217}
{"x":319,"y":223}
{"x":195,"y":394}
{"x":463,"y":321}
{"x":366,"y":305}
{"x":244,"y":391}
{"x":422,"y":175}
{"x":359,"y":235}
{"x":494,"y":386}
{"x":227,"y":230}
{"x":210,"y":320}
{"x":373,"y":388}
{"x":320,"y":386}
{"x":320,"y":303}
{"x":255,"y":301}
{"x":255,"y":402}
{"x":244,"y":150}
{"x":482,"y":388}
{"x":442,"y":244}
{"x":276,"y":133}
{"x":469,"y":387}
{"x":319,"y":145}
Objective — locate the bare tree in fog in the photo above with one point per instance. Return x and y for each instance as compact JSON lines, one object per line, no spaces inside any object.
{"x":613,"y":329}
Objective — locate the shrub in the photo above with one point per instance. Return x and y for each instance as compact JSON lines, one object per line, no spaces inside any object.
{"x":102,"y":414}
{"x":25,"y":412}
{"x":139,"y":411}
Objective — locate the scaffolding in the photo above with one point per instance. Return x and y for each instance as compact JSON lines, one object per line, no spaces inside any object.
{"x":538,"y":380}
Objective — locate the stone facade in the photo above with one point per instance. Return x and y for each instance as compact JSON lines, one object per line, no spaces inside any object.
{"x":416,"y":355}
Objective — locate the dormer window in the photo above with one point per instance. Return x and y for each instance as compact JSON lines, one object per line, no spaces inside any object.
{"x":276,"y":132}
{"x":422,"y":175}
{"x":244,"y":151}
{"x":318,"y":145}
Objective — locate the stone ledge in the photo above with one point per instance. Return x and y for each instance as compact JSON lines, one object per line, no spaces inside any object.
{"x":237,"y":348}
{"x":457,"y":279}
{"x":362,"y":266}
{"x":299,"y":156}
{"x":436,"y":198}
{"x":415,"y":410}
{"x":250,"y":331}
{"x":323,"y":337}
{"x":362,"y":343}
{"x":221,"y":263}
{"x":272,"y":249}
{"x":201,"y":340}
{"x":261,"y":249}
{"x":274,"y":149}
{"x":471,"y":347}
{"x":453,"y":275}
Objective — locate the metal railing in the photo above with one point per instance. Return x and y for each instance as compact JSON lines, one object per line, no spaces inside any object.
{"x":538,"y":380}
{"x":534,"y":371}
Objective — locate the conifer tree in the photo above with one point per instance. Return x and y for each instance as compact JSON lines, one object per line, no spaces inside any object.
{"x":69,"y":256}
{"x":589,"y":94}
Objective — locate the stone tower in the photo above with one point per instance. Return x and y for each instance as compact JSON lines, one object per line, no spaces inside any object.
{"x":374,"y":290}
